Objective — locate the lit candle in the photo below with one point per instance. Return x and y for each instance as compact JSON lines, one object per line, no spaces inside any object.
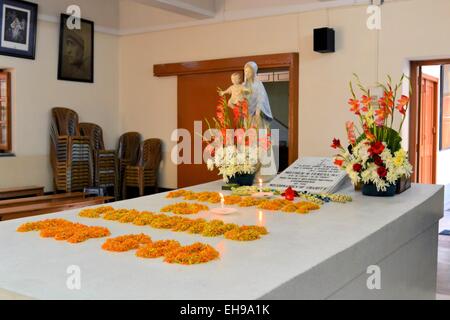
{"x":260,"y":185}
{"x":260,"y":218}
{"x":222,"y":210}
{"x":222,"y":200}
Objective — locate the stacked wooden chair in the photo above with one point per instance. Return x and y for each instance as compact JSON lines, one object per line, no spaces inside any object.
{"x":128,"y":154}
{"x":145,"y":173}
{"x":70,"y":153}
{"x":106,"y":174}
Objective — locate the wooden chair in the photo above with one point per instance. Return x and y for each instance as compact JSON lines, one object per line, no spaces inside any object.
{"x":70,"y":153}
{"x":145,"y":174}
{"x":128,"y":152}
{"x":106,"y":174}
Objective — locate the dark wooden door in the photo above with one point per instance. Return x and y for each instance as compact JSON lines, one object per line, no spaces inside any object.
{"x":428,"y":130}
{"x":197,"y":101}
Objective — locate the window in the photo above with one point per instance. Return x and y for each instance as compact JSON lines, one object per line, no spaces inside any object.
{"x":5,"y":112}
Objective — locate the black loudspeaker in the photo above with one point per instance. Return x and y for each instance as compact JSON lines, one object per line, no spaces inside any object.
{"x":324,"y":40}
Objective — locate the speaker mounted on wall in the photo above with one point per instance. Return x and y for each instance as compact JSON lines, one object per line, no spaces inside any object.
{"x":324,"y":40}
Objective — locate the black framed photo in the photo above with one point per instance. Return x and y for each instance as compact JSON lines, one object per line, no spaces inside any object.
{"x":76,"y":51}
{"x":18,"y":28}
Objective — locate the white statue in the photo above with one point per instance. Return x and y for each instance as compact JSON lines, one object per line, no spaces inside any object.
{"x":258,"y":101}
{"x":237,"y":91}
{"x":259,"y":109}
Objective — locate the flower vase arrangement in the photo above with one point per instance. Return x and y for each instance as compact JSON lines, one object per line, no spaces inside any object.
{"x":375,"y":158}
{"x":235,"y":148}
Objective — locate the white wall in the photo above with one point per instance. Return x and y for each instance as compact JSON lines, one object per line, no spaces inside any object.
{"x":410,"y":30}
{"x":36,"y":90}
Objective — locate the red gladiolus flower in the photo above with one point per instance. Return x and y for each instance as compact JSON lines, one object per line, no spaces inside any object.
{"x":355,"y":106}
{"x":338,"y":162}
{"x":336,"y":143}
{"x":236,"y":113}
{"x":244,"y":108}
{"x":376,"y":148}
{"x":382,"y":172}
{"x":357,"y":167}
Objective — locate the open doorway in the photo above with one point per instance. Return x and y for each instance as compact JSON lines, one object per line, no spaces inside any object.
{"x":430,"y":121}
{"x":276,"y":83}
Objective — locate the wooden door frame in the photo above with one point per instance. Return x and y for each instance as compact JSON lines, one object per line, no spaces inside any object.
{"x":414,"y":111}
{"x":435,"y":124}
{"x":288,"y":61}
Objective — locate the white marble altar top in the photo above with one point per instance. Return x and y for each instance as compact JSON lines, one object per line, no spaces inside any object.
{"x":366,"y":229}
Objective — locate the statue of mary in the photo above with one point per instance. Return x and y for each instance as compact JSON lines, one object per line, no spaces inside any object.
{"x":259,"y":109}
{"x":258,"y":101}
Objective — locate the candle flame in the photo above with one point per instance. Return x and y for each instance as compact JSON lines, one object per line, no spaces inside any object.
{"x":261,"y":218}
{"x":222,"y":199}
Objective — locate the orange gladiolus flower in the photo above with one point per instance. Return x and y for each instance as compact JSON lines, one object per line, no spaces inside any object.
{"x":402,"y":104}
{"x":369,"y":135}
{"x":387,"y":100}
{"x":366,"y":101}
{"x":355,"y":106}
{"x":381,"y":115}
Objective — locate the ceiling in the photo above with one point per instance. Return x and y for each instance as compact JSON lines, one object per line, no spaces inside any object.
{"x":135,"y":16}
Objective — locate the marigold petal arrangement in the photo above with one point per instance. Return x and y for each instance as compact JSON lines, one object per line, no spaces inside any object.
{"x":63,"y":230}
{"x":238,"y":198}
{"x":193,"y":254}
{"x":171,"y":250}
{"x":185,"y":208}
{"x":126,"y":243}
{"x":213,"y":228}
{"x":157,"y":249}
{"x":246,"y":233}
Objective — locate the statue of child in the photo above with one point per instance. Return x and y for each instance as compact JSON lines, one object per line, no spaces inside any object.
{"x":237,"y":91}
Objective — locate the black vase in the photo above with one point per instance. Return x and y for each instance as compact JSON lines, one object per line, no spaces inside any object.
{"x":371,"y":190}
{"x":242,"y":179}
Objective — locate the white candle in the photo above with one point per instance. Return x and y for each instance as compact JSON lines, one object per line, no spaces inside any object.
{"x":260,"y":185}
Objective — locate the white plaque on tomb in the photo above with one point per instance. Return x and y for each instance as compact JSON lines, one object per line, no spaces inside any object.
{"x":314,"y":175}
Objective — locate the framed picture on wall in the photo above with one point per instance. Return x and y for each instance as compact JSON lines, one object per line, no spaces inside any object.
{"x":76,"y":51}
{"x":18,"y":26}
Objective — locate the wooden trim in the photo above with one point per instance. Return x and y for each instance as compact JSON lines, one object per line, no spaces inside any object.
{"x":281,"y":60}
{"x":294,"y":70}
{"x":11,"y":193}
{"x":413,"y":120}
{"x":288,"y":61}
{"x":41,"y":199}
{"x":7,"y":147}
{"x":435,"y":126}
{"x":414,"y":110}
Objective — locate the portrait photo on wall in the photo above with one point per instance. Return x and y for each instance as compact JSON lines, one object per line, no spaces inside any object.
{"x":18,"y":23}
{"x":76,"y":50}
